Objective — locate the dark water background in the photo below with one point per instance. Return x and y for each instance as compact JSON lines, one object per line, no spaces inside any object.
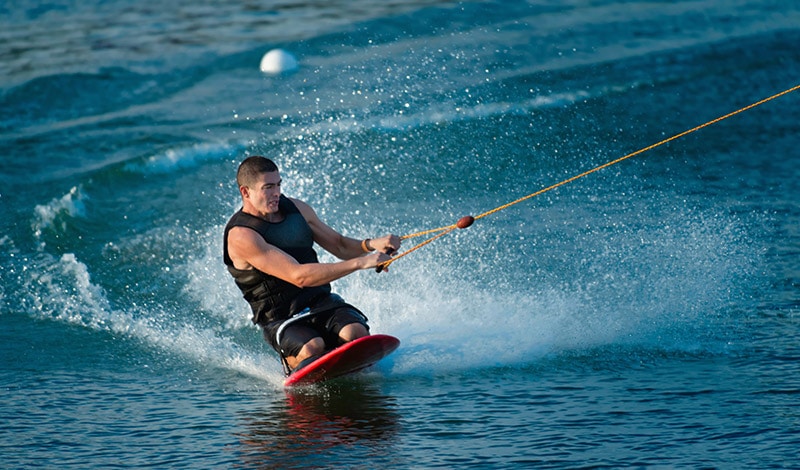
{"x":644,"y":316}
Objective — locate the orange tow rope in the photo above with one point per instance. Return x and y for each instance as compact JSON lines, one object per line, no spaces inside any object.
{"x":467,"y":220}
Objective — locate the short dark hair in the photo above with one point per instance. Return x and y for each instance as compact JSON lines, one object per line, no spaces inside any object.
{"x":252,"y":167}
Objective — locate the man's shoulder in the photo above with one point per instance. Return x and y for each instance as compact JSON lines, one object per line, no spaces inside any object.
{"x":295,"y":201}
{"x":304,"y":208}
{"x":241,"y":234}
{"x":240,"y":218}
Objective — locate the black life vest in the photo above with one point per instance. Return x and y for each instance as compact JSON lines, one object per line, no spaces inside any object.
{"x":271,"y":298}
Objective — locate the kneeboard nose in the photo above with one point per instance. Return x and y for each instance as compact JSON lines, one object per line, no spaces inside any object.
{"x":346,"y":359}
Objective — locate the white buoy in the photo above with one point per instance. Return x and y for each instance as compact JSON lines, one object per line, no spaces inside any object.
{"x":278,"y":61}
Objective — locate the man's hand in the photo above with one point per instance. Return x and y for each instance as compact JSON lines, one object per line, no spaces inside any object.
{"x":374,"y":259}
{"x":388,"y":244}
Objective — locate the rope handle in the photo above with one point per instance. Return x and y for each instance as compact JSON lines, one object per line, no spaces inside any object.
{"x":463,"y":222}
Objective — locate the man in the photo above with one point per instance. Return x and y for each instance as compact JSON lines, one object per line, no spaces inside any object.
{"x":268,"y":249}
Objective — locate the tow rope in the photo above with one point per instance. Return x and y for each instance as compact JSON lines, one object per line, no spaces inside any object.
{"x":468,"y":220}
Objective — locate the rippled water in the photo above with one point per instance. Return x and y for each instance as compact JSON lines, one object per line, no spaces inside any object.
{"x":643,"y":316}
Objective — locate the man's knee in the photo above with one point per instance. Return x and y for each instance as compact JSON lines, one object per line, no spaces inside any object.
{"x":313,"y":347}
{"x":353,"y":331}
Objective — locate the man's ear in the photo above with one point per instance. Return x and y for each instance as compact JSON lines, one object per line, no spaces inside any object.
{"x":245,"y":192}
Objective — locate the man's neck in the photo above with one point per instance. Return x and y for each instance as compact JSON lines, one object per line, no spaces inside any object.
{"x":274,"y":217}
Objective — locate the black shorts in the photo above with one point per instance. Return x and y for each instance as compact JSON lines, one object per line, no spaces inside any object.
{"x":325,"y":324}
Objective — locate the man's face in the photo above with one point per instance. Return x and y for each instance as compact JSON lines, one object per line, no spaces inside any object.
{"x":263,"y":195}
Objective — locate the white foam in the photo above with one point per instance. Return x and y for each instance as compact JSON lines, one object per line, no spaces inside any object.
{"x":62,"y":290}
{"x":658,"y":285}
{"x":456,"y":113}
{"x":211,"y":286}
{"x":457,"y":311}
{"x":192,"y":156}
{"x":47,"y":215}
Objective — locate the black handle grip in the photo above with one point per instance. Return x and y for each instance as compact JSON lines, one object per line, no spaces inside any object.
{"x":379,"y":268}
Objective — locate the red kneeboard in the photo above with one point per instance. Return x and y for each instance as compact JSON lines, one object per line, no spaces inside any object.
{"x":346,"y":359}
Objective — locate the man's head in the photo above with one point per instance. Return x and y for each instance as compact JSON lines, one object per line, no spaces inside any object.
{"x":253,"y":167}
{"x":260,"y":186}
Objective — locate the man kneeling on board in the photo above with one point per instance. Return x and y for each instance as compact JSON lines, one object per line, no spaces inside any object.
{"x":268,"y":249}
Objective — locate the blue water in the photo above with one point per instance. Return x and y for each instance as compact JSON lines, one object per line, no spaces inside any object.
{"x":643,"y":316}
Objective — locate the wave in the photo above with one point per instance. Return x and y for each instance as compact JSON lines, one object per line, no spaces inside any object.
{"x":182,"y":158}
{"x":627,"y":288}
{"x":442,"y":114}
{"x":61,"y":289}
{"x":666,"y":287}
{"x":54,"y":215}
{"x":41,"y":105}
{"x":566,"y":277}
{"x":662,"y":282}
